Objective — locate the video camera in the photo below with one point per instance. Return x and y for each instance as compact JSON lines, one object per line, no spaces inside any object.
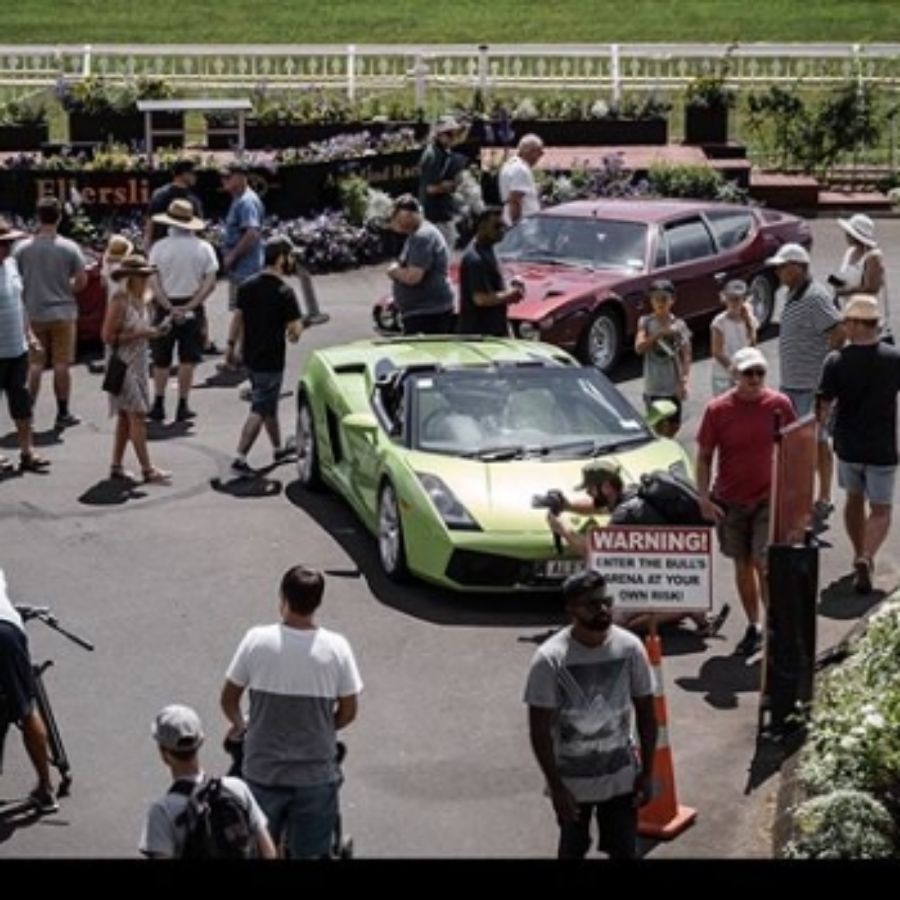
{"x":555,"y":501}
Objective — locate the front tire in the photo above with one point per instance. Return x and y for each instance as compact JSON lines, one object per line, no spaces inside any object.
{"x":391,"y":549}
{"x":603,"y":341}
{"x":307,"y":447}
{"x":762,"y":299}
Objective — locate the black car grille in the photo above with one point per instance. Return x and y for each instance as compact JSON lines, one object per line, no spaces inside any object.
{"x":488,"y":569}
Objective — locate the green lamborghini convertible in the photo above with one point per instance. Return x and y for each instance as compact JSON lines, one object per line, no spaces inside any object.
{"x":440,"y":445}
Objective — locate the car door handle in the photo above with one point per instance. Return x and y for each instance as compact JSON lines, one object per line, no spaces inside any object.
{"x":720,"y":276}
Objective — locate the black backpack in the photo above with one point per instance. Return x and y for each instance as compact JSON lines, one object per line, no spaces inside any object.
{"x":635,"y":510}
{"x":216,"y":823}
{"x":673,"y":497}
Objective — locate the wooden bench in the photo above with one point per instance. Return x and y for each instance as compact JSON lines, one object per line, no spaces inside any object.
{"x":241,"y":106}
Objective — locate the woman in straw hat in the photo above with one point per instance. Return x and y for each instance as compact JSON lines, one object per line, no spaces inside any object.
{"x":126,"y":331}
{"x":117,"y":248}
{"x":862,"y":268}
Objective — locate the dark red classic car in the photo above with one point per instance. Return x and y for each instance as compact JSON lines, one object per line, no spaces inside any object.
{"x":586,"y":266}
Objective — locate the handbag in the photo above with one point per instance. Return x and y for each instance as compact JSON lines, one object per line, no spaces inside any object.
{"x":114,"y":377}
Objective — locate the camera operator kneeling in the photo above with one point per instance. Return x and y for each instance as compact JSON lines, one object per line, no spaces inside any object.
{"x":602,"y":482}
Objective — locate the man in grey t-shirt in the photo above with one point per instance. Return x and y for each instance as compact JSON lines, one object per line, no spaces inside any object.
{"x":582,"y":686}
{"x":422,"y":290}
{"x":52,"y":270}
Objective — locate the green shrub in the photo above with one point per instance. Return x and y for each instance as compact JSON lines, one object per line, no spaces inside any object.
{"x":844,"y":824}
{"x":698,"y":182}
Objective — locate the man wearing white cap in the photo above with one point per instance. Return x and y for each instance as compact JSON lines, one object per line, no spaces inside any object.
{"x":179,"y":735}
{"x":439,"y":168}
{"x":864,"y":378}
{"x":739,"y":428}
{"x":810,"y":327}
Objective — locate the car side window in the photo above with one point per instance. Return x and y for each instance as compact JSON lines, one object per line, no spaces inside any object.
{"x":688,"y":240}
{"x":730,"y":227}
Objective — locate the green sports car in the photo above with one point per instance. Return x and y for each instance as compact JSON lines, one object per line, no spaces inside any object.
{"x":440,"y":445}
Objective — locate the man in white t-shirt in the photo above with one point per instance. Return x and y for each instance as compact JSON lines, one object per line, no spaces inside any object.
{"x":518,"y":191}
{"x":303,"y":684}
{"x":179,"y":735}
{"x":187,"y":276}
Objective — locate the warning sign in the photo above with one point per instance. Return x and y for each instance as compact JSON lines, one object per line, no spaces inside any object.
{"x":654,"y":568}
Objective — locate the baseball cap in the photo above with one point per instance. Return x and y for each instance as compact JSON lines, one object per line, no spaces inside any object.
{"x":445,"y":124}
{"x":735,"y":288}
{"x":661,"y":286}
{"x":178,"y":727}
{"x":235,"y":167}
{"x":789,"y":253}
{"x":586,"y":582}
{"x":749,"y":358}
{"x":598,"y":471}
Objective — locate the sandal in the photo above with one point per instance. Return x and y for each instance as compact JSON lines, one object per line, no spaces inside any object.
{"x":119,"y":473}
{"x":156,"y":476}
{"x":32,"y":462}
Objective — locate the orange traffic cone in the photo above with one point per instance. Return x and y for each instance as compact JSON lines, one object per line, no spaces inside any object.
{"x":662,"y":817}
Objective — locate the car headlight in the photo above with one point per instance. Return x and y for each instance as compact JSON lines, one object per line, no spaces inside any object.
{"x":453,"y":513}
{"x":528,"y":331}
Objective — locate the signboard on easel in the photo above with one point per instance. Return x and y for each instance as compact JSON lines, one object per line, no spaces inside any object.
{"x":654,"y":568}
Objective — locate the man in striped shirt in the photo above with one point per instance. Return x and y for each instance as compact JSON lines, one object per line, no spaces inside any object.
{"x":810,"y":328}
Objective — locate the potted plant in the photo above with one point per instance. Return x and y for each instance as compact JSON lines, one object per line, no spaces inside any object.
{"x":100,"y":112}
{"x":23,"y":124}
{"x":707,"y":102}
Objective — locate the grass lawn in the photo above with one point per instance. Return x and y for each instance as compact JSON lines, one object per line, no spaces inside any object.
{"x":447,"y":21}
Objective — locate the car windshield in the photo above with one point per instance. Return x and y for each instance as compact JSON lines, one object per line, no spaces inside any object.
{"x":587,"y":241}
{"x":509,"y":413}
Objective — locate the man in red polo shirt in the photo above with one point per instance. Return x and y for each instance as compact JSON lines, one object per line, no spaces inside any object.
{"x":739,"y":428}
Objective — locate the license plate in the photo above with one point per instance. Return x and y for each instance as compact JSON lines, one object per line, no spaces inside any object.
{"x":562,"y":568}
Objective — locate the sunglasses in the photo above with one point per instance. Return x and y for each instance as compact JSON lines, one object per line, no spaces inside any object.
{"x":754,"y":373}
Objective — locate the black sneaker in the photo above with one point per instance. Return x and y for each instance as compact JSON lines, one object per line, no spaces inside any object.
{"x":751,"y":642}
{"x":43,"y":800}
{"x":184,"y":413}
{"x":157,"y":412}
{"x":241,"y":468}
{"x":862,"y":577}
{"x":66,"y":421}
{"x":282,"y":453}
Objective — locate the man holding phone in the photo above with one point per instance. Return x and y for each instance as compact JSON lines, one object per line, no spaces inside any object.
{"x":483,"y":294}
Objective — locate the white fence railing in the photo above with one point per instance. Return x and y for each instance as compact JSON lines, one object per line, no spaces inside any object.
{"x":357,"y":68}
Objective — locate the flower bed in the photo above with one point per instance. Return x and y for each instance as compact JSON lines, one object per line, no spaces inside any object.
{"x":850,"y":765}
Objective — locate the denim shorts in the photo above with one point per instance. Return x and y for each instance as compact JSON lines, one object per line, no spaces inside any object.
{"x":876,"y":483}
{"x":805,"y":402}
{"x":265,"y":389}
{"x":309,"y":814}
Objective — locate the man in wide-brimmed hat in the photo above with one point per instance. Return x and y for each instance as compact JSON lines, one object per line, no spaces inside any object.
{"x":864,"y":378}
{"x":16,"y":337}
{"x":187,"y":276}
{"x":53,"y":273}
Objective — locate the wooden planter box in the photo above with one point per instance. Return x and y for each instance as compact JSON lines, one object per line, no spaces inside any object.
{"x":594,"y":132}
{"x":23,"y":137}
{"x":123,"y":129}
{"x":706,"y":124}
{"x":279,"y":137}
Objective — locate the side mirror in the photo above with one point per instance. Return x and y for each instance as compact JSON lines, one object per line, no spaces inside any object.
{"x":362,"y":423}
{"x":660,"y":411}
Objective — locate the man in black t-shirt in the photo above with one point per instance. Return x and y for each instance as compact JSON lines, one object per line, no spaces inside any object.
{"x":483,"y":295}
{"x":266,"y":313}
{"x":179,"y":188}
{"x":864,"y":378}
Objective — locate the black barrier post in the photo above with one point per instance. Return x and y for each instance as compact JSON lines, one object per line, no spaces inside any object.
{"x":790,"y":655}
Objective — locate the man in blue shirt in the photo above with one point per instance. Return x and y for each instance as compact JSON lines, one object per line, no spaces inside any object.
{"x":243,"y":229}
{"x":16,"y":338}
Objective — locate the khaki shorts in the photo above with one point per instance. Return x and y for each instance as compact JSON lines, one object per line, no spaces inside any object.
{"x":744,"y":532}
{"x":57,"y":342}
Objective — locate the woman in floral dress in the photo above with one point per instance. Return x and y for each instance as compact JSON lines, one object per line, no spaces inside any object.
{"x":126,"y":331}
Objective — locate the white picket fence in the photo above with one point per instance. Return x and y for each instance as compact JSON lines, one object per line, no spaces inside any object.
{"x":360,"y":68}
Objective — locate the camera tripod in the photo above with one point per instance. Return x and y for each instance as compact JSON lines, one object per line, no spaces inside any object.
{"x":58,"y":757}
